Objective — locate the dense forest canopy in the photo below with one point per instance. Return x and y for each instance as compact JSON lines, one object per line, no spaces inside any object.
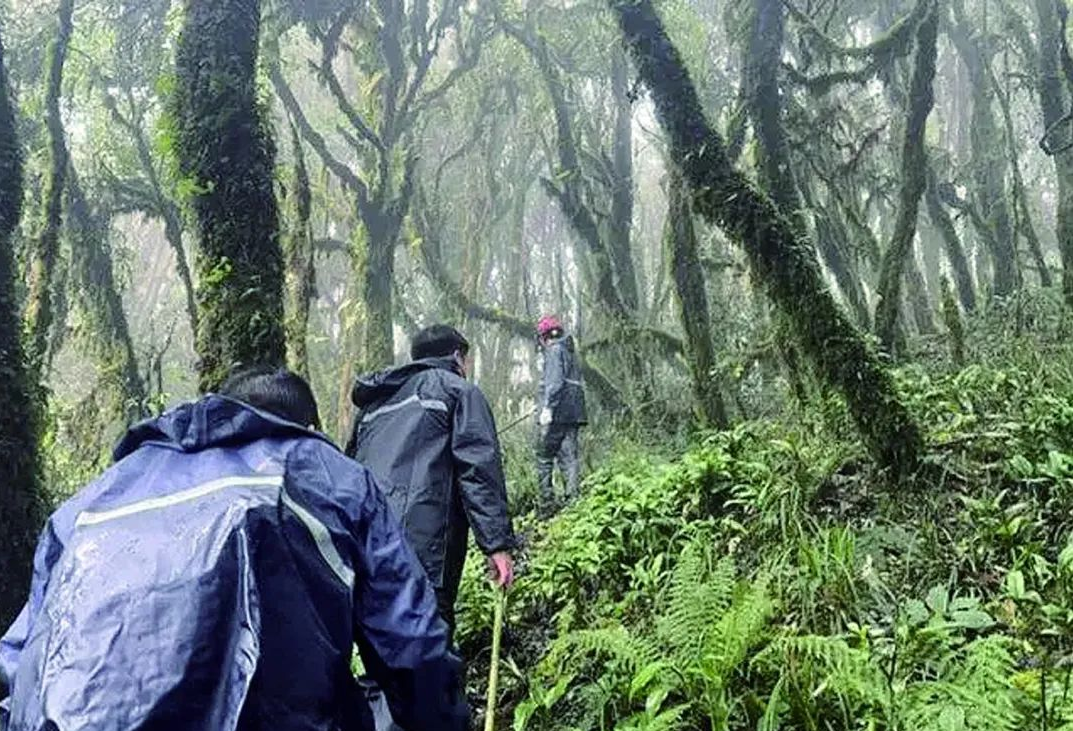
{"x":806,"y":214}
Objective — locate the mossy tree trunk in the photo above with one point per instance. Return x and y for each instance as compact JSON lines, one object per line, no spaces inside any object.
{"x":109,"y":332}
{"x":298,"y":260}
{"x":42,"y":262}
{"x":1055,"y":97}
{"x":680,"y":242}
{"x":778,"y":257}
{"x":989,"y":163}
{"x":621,"y":173}
{"x":226,"y":154}
{"x":20,"y":509}
{"x":914,"y":162}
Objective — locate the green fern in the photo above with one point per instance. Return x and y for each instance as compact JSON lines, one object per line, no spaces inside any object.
{"x":668,"y":674}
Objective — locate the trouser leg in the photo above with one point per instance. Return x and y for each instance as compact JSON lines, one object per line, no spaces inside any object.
{"x":570,"y":461}
{"x":548,"y":441}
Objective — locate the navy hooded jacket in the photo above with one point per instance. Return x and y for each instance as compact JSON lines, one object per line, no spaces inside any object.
{"x":429,"y":437}
{"x":562,"y":391}
{"x":217,"y":577}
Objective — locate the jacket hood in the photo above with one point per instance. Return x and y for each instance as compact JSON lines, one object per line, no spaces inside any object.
{"x":212,"y":421}
{"x":377,"y":386}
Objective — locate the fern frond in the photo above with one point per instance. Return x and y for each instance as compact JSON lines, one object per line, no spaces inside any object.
{"x":614,"y":644}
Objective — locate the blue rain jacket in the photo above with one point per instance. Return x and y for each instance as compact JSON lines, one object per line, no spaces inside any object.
{"x":217,"y":577}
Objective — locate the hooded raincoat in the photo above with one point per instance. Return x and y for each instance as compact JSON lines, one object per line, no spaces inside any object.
{"x":429,"y":437}
{"x":217,"y":577}
{"x":562,"y":391}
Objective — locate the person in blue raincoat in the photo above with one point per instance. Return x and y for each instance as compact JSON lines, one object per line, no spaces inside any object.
{"x":217,"y":577}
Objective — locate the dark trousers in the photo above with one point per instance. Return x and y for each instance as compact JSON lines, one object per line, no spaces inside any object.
{"x":558,"y":442}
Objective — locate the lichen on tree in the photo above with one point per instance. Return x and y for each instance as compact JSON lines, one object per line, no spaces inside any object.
{"x":226,"y":155}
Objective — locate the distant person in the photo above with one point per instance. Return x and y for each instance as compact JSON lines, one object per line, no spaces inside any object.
{"x":217,"y":577}
{"x":429,"y":437}
{"x":560,"y":412}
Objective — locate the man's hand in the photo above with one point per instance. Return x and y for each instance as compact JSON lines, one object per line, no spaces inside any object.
{"x":501,"y":569}
{"x":545,"y":416}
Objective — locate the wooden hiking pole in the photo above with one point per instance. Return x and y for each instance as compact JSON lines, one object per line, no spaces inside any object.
{"x":493,"y":672}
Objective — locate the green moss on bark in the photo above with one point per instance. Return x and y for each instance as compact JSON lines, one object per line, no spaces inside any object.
{"x":20,"y":511}
{"x":779,"y":259}
{"x":38,"y":308}
{"x":914,"y":179}
{"x":226,"y":157}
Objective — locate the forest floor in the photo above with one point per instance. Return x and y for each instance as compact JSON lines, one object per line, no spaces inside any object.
{"x":769,"y":577}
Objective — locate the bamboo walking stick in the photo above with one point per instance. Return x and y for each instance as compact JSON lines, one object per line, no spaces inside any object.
{"x":493,"y":672}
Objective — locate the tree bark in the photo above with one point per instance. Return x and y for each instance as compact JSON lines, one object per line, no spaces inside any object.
{"x":680,"y":242}
{"x":779,"y":258}
{"x":621,"y":222}
{"x":225,"y":152}
{"x":1054,"y":100}
{"x":955,"y":253}
{"x":38,"y":308}
{"x":111,"y":344}
{"x":988,"y":161}
{"x":914,"y":180}
{"x":20,"y":508}
{"x":298,"y":263}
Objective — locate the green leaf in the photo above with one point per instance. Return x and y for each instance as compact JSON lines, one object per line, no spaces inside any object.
{"x":938,"y":599}
{"x":1015,"y":584}
{"x":972,"y":619}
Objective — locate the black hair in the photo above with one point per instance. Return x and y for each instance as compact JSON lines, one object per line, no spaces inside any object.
{"x":438,"y":341}
{"x":276,"y":390}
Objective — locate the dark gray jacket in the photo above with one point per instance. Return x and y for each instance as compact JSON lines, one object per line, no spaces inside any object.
{"x":429,"y":438}
{"x":561,"y":387}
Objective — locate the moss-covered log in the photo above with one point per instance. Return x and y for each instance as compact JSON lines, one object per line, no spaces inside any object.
{"x":680,"y":242}
{"x":20,"y":510}
{"x":779,"y":259}
{"x":298,"y":260}
{"x":914,"y":162}
{"x":226,"y":155}
{"x":1055,"y":97}
{"x":42,"y":263}
{"x":108,"y":331}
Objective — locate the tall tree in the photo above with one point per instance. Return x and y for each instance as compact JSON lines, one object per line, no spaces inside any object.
{"x":226,"y":153}
{"x":100,"y":299}
{"x":680,"y":239}
{"x":38,"y":307}
{"x":914,"y":163}
{"x":1055,"y":92}
{"x":392,"y":47}
{"x":989,"y":163}
{"x":19,"y":508}
{"x":778,"y":257}
{"x":298,"y":258}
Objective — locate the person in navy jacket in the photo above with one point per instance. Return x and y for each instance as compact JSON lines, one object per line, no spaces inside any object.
{"x":218,"y":576}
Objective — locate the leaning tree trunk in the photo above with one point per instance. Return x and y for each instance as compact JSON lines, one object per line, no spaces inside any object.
{"x":779,"y":258}
{"x":20,"y":510}
{"x":38,"y":308}
{"x":914,"y":180}
{"x":1054,"y":101}
{"x":109,"y":331}
{"x":680,"y":240}
{"x":224,"y":149}
{"x":298,"y":258}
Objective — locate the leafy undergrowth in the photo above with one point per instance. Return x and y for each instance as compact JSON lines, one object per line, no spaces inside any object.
{"x":768,"y":578}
